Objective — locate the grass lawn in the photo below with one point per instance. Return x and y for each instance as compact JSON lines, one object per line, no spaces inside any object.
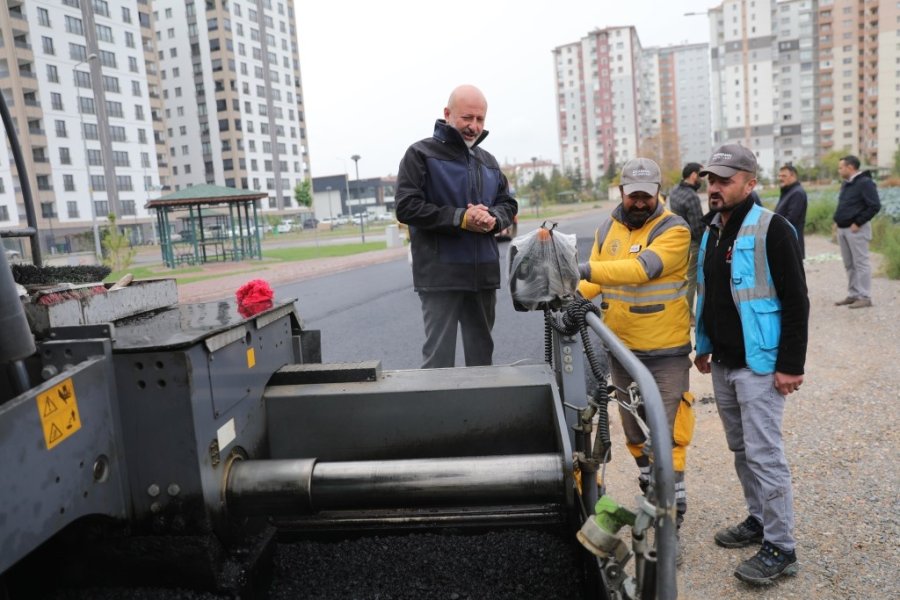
{"x":306,"y":253}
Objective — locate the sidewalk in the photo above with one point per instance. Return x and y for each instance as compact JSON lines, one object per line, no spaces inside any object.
{"x":226,"y":278}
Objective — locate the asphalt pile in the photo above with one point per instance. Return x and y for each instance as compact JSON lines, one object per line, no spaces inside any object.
{"x":516,"y":563}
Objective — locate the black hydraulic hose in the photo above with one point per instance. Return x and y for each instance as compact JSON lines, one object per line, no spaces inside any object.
{"x":575,"y":319}
{"x":548,"y":337}
{"x":24,"y":181}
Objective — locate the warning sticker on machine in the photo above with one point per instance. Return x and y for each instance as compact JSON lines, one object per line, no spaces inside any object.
{"x":58,"y":410}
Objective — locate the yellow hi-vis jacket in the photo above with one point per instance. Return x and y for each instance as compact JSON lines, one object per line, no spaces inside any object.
{"x":642,"y":275}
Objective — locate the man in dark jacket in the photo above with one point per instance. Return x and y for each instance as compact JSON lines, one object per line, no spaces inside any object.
{"x":454,"y":198}
{"x":858,"y":203}
{"x":792,"y":202}
{"x":684,"y":202}
{"x":752,"y":328}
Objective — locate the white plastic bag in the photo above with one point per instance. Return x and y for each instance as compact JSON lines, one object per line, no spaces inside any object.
{"x":543,"y":268}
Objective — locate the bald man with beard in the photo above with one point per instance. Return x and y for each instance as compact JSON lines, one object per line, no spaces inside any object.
{"x":454,"y":198}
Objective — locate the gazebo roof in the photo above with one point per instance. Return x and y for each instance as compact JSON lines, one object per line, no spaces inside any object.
{"x":205,"y":194}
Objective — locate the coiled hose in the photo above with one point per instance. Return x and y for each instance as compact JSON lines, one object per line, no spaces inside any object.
{"x":572,"y":321}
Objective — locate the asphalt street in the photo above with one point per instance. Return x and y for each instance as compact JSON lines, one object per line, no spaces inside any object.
{"x":373,"y":313}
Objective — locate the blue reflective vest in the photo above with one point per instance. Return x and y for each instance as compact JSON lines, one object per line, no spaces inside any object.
{"x":753,"y":292}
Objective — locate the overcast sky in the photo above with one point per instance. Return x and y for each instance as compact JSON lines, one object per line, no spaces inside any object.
{"x":376,"y":74}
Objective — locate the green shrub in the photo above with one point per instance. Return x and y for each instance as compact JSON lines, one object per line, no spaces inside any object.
{"x":819,"y":215}
{"x":886,"y":240}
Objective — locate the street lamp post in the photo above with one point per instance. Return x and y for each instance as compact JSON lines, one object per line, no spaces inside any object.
{"x":537,"y":200}
{"x":362,"y":230}
{"x":98,"y":250}
{"x":330,"y":209}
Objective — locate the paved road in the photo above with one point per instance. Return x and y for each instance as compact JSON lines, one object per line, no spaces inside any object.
{"x":373,"y":312}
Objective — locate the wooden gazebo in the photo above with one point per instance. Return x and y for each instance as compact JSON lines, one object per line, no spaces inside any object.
{"x":233,"y":235}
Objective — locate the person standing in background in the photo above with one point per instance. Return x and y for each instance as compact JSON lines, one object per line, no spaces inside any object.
{"x":792,"y":202}
{"x":858,"y":203}
{"x":684,"y":202}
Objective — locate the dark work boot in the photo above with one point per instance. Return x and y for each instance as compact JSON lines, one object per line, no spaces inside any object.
{"x":767,"y":565}
{"x":745,"y":533}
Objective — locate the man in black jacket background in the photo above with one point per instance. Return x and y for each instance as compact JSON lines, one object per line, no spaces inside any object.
{"x":454,"y":198}
{"x":684,"y":202}
{"x":858,"y":203}
{"x":792,"y":202}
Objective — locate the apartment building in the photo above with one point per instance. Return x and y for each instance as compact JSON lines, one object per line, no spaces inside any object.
{"x":597,"y":100}
{"x":859,"y":71}
{"x":675,"y":125}
{"x":794,"y":83}
{"x":230,"y":79}
{"x":74,"y":75}
{"x":742,"y":63}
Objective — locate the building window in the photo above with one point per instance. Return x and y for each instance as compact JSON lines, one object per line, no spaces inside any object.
{"x":72,"y":206}
{"x":56,"y":101}
{"x":83,"y":79}
{"x":127,"y":207}
{"x":61,"y":129}
{"x":47,"y":44}
{"x":43,"y":17}
{"x":86,"y":105}
{"x":69,"y":186}
{"x":104,"y":34}
{"x":77,"y":52}
{"x":74,"y":25}
{"x":101,"y":7}
{"x":52,"y":74}
{"x":64,"y":157}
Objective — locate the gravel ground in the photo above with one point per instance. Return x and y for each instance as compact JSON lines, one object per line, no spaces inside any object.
{"x":841,"y":435}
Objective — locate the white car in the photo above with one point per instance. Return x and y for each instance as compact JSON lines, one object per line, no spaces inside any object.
{"x":284,"y":228}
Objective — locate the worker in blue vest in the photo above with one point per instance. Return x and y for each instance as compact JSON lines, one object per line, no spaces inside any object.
{"x":752,"y":326}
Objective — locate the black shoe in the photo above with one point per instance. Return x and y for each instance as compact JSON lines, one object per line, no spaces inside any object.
{"x":746,"y":533}
{"x":767,"y":565}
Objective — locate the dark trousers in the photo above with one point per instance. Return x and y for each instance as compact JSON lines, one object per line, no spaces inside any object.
{"x":443,"y":312}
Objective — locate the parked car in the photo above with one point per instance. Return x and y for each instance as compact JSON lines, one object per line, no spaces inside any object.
{"x":310,"y":223}
{"x":511,"y":231}
{"x":284,"y":227}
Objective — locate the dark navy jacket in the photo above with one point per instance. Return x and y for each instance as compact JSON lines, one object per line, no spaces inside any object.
{"x":792,"y":204}
{"x":858,"y":201}
{"x":438,"y":177}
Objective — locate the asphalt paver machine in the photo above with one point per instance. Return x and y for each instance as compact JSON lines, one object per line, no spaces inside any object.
{"x":179,"y":445}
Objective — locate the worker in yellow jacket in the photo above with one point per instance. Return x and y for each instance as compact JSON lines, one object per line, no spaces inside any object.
{"x":639,"y":267}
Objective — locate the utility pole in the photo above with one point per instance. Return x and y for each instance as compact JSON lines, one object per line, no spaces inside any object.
{"x":362,"y":229}
{"x":537,"y":200}
{"x":98,"y":249}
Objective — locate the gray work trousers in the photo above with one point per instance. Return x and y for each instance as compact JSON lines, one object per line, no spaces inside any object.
{"x":751,"y":410}
{"x":855,"y":252}
{"x":443,"y":313}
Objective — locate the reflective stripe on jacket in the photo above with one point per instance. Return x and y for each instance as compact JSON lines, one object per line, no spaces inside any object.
{"x":642,"y":274}
{"x":753,"y":293}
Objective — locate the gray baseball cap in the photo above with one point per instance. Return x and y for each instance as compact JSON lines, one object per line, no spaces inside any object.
{"x":640,"y":175}
{"x":728,"y":159}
